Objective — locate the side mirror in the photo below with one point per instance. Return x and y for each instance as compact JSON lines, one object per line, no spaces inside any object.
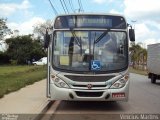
{"x":132,"y":35}
{"x":46,"y":40}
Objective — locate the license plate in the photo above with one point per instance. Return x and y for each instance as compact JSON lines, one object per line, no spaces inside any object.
{"x":118,"y":95}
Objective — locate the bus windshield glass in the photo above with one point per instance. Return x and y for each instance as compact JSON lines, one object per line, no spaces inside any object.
{"x":86,"y":51}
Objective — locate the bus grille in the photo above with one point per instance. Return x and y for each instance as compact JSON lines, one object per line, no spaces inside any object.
{"x":86,"y":86}
{"x":89,"y":78}
{"x":89,"y":94}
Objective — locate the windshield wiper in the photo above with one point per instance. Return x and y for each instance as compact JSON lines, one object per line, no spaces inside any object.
{"x":101,"y":36}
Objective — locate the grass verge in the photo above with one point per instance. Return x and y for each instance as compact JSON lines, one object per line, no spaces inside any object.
{"x":12,"y":78}
{"x":141,"y":72}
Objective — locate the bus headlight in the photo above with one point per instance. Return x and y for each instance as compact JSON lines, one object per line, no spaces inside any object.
{"x":120,"y":83}
{"x":59,"y":83}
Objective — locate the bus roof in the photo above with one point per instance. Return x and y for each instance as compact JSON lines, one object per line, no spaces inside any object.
{"x":79,"y":14}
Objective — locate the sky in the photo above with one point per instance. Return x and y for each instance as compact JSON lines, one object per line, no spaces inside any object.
{"x":144,"y":15}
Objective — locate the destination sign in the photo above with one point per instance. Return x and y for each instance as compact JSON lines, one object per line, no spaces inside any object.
{"x":90,"y":21}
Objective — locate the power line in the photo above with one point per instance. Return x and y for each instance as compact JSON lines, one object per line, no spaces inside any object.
{"x":54,"y":9}
{"x":80,"y":5}
{"x":63,"y":6}
{"x":71,"y":5}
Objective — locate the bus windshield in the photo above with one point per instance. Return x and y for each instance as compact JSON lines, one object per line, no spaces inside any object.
{"x":79,"y":50}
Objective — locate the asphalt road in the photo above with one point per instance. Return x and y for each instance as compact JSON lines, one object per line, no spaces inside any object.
{"x":144,"y":99}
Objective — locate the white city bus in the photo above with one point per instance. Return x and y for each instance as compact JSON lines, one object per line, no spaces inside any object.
{"x":88,"y":58}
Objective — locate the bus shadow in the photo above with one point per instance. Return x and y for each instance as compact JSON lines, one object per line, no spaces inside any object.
{"x":93,"y":106}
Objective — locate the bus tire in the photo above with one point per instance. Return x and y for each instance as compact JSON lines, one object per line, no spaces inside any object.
{"x":153,"y":78}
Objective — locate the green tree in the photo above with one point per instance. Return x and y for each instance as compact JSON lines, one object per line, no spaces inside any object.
{"x":40,"y":29}
{"x":4,"y":58}
{"x":24,"y":48}
{"x":143,"y":58}
{"x":138,"y":55}
{"x":134,"y":54}
{"x":4,"y":30}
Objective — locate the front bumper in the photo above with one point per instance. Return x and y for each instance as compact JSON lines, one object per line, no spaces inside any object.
{"x":99,"y":95}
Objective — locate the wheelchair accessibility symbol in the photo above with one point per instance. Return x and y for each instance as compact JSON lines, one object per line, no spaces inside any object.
{"x":95,"y":65}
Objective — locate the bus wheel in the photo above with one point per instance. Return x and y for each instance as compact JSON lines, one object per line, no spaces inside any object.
{"x":153,"y":78}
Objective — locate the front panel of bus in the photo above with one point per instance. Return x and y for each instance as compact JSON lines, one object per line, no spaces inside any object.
{"x":89,"y":58}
